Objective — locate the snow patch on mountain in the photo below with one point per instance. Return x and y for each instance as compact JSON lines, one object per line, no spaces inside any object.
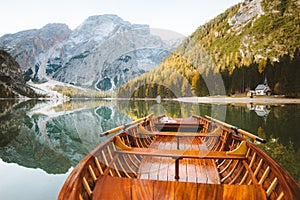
{"x":249,"y":9}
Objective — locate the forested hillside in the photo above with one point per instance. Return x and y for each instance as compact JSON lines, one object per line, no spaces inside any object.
{"x":233,"y":53}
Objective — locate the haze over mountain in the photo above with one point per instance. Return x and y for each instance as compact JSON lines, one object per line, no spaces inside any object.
{"x":104,"y":52}
{"x":249,"y":43}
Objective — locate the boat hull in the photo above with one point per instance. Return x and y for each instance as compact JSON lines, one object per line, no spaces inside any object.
{"x":210,"y":162}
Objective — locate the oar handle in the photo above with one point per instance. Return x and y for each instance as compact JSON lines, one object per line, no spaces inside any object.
{"x":125,"y":126}
{"x":238,"y":130}
{"x":112,"y":131}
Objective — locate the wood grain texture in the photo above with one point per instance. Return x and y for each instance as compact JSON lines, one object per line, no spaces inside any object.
{"x":190,"y":170}
{"x":142,"y":189}
{"x":164,"y":190}
{"x":109,"y":187}
{"x":181,"y":153}
{"x":137,"y":189}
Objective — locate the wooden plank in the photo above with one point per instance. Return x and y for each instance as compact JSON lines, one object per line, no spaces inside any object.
{"x":157,"y":172}
{"x":182,"y":170}
{"x":210,"y":191}
{"x":185,"y":190}
{"x":171,"y":171}
{"x":181,"y":153}
{"x":204,"y":169}
{"x":191,"y":170}
{"x":153,"y":172}
{"x":150,"y":166}
{"x":164,"y":190}
{"x":200,"y":172}
{"x":183,"y":126}
{"x":145,"y":167}
{"x":108,"y":187}
{"x":185,"y":123}
{"x":211,"y":172}
{"x":243,"y":192}
{"x":179,"y":134}
{"x":142,"y":189}
{"x":164,"y":168}
{"x":165,"y":163}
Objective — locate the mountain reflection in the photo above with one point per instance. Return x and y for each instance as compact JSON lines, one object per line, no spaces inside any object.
{"x":56,"y":138}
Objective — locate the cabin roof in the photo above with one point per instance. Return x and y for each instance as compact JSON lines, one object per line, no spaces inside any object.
{"x":262,"y":87}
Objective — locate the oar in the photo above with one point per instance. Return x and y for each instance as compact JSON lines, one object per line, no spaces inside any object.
{"x":238,"y":130}
{"x":125,"y":126}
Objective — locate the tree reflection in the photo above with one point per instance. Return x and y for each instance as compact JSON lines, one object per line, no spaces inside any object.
{"x":285,"y":155}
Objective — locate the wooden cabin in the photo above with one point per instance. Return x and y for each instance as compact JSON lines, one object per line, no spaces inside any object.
{"x":262,"y":90}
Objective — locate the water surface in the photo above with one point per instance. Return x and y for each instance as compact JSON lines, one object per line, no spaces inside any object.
{"x":41,"y":143}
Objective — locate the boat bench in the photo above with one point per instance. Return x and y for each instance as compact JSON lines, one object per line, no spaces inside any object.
{"x":179,"y":126}
{"x":180,"y":154}
{"x":180,"y":134}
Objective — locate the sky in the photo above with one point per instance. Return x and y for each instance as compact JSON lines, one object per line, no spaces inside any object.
{"x":182,"y":16}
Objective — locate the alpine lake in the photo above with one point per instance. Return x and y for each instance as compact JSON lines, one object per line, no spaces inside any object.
{"x":42,"y":141}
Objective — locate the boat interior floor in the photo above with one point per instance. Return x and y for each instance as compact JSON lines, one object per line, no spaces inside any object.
{"x":190,"y":170}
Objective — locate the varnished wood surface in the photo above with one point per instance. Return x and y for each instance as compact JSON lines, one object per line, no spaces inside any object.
{"x":137,"y":189}
{"x":159,"y":160}
{"x":179,"y":124}
{"x":235,"y":179}
{"x":195,"y":154}
{"x":180,"y":134}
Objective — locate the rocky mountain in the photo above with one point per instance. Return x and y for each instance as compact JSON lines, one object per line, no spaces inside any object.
{"x":31,"y":46}
{"x":104,"y":52}
{"x":12,"y":82}
{"x":251,"y":42}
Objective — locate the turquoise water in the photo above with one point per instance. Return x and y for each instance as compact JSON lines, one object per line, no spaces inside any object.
{"x":40,"y":144}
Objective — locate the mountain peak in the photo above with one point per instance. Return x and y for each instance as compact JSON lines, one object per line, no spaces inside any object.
{"x":55,"y":25}
{"x":103,"y":20}
{"x":98,"y":28}
{"x":107,"y":17}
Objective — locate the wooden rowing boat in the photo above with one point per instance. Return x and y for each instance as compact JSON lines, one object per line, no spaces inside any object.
{"x":191,"y":158}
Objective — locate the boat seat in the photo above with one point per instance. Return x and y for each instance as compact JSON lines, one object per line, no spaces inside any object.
{"x":180,"y":154}
{"x":142,"y":131}
{"x":180,"y":134}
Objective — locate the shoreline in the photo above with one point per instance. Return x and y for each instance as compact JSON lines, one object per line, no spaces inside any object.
{"x":210,"y":99}
{"x":248,"y":100}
